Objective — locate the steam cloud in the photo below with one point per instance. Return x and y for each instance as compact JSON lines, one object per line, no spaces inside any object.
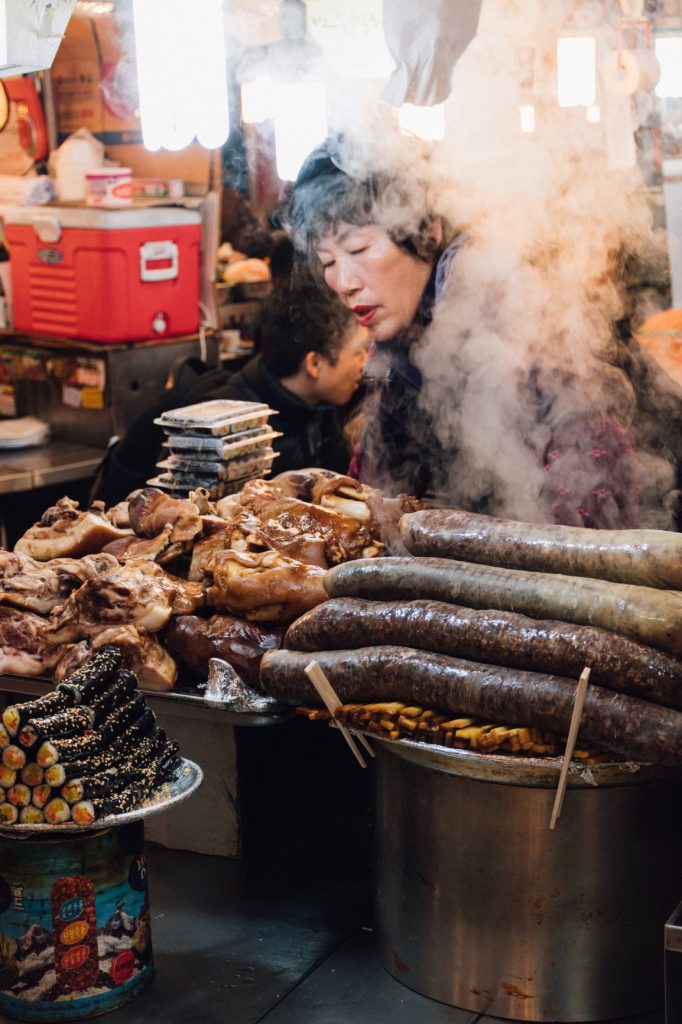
{"x":522,"y":345}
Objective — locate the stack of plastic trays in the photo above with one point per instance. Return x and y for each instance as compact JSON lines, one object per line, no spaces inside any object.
{"x":216,"y":445}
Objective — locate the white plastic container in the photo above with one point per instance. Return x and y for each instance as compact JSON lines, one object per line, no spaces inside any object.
{"x":77,"y":156}
{"x":109,"y":187}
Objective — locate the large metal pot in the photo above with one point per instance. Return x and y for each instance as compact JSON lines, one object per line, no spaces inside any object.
{"x":481,"y":906}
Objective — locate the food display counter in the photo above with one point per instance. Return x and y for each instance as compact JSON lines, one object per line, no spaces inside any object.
{"x":480,"y":903}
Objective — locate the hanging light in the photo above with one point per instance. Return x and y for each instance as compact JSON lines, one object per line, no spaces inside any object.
{"x":576,"y":71}
{"x":283,"y":81}
{"x":181,"y":68}
{"x":527,"y":118}
{"x":257,"y":105}
{"x":426,"y":122}
{"x":300,"y":115}
{"x":669,"y":54}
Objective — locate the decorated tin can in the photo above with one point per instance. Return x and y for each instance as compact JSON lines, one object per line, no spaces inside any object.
{"x":75,"y":938}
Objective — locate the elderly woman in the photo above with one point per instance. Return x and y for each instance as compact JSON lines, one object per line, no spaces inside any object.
{"x":386,"y":255}
{"x":389,"y":259}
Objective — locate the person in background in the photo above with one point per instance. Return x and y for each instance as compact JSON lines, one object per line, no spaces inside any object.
{"x":312,"y":353}
{"x":309,"y":367}
{"x":389,"y":262}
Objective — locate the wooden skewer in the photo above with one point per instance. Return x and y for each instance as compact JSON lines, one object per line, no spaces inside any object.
{"x":331,"y":701}
{"x":570,"y":744}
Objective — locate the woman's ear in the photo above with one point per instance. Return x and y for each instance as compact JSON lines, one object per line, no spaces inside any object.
{"x":312,"y":364}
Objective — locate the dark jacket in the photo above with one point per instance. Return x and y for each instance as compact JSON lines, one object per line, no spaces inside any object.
{"x":608,"y":468}
{"x":601,"y":470}
{"x":400,"y":451}
{"x":131,"y":460}
{"x":311,"y":435}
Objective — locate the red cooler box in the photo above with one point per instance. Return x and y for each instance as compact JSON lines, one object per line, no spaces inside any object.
{"x":105,"y":275}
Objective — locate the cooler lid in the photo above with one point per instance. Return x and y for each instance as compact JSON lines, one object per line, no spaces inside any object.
{"x":95,"y":218}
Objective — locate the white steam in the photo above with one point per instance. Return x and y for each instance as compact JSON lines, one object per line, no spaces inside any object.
{"x":521,"y":348}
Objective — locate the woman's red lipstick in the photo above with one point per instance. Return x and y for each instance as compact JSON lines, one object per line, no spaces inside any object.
{"x":365,"y":314}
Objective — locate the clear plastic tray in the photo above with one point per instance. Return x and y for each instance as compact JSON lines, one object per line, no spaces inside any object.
{"x":209,"y":447}
{"x":233,"y":469}
{"x":217,"y":418}
{"x":182,"y":484}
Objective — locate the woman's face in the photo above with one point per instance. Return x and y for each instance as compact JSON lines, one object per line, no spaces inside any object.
{"x":379,"y":280}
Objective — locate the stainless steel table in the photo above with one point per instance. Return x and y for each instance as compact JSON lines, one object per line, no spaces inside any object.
{"x":55,"y":463}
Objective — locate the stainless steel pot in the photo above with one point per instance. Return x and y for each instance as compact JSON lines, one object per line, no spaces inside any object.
{"x":480,"y":906}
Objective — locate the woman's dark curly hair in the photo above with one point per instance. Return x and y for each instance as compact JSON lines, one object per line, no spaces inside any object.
{"x":324,"y":196}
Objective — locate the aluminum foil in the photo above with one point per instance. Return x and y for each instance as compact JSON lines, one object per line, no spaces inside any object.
{"x":225,"y":688}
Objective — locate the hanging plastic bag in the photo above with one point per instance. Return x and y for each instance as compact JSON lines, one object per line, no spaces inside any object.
{"x":426,"y":40}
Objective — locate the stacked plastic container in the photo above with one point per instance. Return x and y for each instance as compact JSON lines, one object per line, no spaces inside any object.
{"x":216,"y":445}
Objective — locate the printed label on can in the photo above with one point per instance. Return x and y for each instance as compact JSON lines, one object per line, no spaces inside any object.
{"x":72,"y":909}
{"x":73,"y":933}
{"x":122,"y":966}
{"x":75,"y":936}
{"x":74,"y":958}
{"x":76,"y":967}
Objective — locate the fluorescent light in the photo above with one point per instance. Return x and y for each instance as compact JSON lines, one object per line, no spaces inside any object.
{"x":669,"y":54}
{"x":181,"y":72}
{"x":527,"y":118}
{"x":300,"y":110}
{"x":257,"y":101}
{"x":593,"y":114}
{"x":426,"y":122}
{"x":576,"y":71}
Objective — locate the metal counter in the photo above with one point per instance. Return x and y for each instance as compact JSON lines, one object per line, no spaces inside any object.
{"x":55,"y":463}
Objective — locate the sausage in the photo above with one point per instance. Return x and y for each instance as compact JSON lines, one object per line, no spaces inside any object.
{"x":498,"y":638}
{"x":652,"y":617}
{"x":632,"y":728}
{"x":650,"y":558}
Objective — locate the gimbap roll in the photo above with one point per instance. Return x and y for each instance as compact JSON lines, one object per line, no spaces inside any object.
{"x":32,"y":774}
{"x":41,"y":794}
{"x":31,"y":816}
{"x":19,"y":795}
{"x":8,"y":814}
{"x":57,"y":811}
{"x":13,"y":757}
